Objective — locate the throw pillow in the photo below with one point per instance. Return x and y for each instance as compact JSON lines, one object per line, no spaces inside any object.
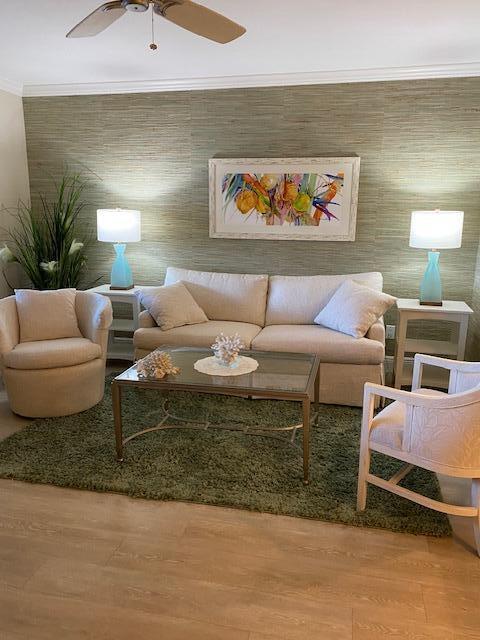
{"x":47,"y":315}
{"x":353,"y":309}
{"x":171,"y":306}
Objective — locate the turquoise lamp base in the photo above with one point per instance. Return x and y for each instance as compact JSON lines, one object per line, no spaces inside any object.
{"x":431,"y":285}
{"x":121,"y":277}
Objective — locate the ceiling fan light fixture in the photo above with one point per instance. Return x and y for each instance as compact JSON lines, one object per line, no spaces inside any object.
{"x":138,"y":6}
{"x":186,"y":14}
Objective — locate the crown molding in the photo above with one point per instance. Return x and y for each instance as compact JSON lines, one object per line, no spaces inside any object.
{"x":266,"y":80}
{"x":11,"y":87}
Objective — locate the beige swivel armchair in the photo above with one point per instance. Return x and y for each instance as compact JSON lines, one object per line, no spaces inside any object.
{"x":426,"y":428}
{"x":48,"y":378}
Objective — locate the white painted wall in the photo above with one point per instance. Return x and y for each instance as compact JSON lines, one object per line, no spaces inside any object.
{"x":14,"y":183}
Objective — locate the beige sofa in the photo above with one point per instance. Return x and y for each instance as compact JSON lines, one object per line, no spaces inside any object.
{"x":49,"y":378}
{"x":275,"y":313}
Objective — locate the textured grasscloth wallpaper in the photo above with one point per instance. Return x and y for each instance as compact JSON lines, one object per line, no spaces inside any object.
{"x":474,"y":332}
{"x":419,"y":144}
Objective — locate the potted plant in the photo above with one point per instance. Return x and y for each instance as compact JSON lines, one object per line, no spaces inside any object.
{"x":47,"y":243}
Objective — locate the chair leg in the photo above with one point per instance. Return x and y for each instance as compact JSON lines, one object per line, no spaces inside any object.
{"x":476,"y":503}
{"x":382,"y":401}
{"x":363,"y":470}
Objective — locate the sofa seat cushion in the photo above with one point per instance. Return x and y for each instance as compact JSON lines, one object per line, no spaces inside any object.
{"x":195,"y":335}
{"x":389,"y":424}
{"x":330,"y":345}
{"x":50,"y":354}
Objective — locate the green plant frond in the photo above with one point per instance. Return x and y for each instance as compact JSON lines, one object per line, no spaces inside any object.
{"x":46,"y":233}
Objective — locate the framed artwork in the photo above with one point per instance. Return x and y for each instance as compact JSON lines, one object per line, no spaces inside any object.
{"x":284,"y":199}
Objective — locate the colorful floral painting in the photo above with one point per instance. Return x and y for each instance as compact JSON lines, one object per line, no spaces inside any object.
{"x":317,"y":204}
{"x":283,"y":198}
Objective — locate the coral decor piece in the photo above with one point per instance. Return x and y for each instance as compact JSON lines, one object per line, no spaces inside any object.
{"x":156,"y":365}
{"x":227,"y":348}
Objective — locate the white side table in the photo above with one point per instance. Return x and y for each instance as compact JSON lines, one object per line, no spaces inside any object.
{"x":121,"y":347}
{"x":410,"y":309}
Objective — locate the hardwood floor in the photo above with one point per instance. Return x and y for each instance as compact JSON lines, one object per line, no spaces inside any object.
{"x":77,"y":564}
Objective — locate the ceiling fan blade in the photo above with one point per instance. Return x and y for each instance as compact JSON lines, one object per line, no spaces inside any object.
{"x":198,"y":19}
{"x":98,"y":20}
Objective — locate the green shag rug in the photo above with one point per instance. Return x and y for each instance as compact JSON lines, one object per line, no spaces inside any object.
{"x":219,"y":467}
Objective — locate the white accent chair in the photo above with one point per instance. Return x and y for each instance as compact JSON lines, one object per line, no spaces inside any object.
{"x":426,"y":428}
{"x":49,"y":378}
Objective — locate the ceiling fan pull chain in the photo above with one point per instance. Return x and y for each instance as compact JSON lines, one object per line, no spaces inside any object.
{"x":153,"y":46}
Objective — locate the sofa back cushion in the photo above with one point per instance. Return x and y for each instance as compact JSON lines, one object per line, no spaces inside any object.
{"x":299,"y":299}
{"x":225,"y":296}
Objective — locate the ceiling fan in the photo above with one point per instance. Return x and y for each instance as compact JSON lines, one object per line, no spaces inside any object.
{"x":184,"y":13}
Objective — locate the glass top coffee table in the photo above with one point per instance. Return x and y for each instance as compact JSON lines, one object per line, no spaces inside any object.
{"x":281,"y":376}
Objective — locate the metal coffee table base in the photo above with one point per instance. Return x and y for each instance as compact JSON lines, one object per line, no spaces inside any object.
{"x":309,"y":419}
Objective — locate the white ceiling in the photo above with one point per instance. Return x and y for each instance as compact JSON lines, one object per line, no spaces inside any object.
{"x":302,"y":40}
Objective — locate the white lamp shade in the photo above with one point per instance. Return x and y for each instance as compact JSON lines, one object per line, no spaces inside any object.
{"x":436,"y":229}
{"x":118,"y":225}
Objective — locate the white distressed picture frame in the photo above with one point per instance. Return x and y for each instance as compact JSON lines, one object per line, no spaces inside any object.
{"x":327,"y":230}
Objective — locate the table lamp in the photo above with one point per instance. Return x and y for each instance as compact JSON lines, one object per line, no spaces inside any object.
{"x":119,"y":226}
{"x":435,"y":230}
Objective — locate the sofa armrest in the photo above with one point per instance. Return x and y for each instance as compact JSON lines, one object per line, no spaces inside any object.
{"x":94,"y":315}
{"x":9,"y":327}
{"x":145,"y":321}
{"x":377,"y":331}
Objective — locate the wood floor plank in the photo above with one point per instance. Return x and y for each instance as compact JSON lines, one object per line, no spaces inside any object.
{"x":336,"y":543}
{"x":382,"y":626}
{"x":452,"y":606}
{"x":374,"y":556}
{"x":454,"y":553}
{"x":295,"y":575}
{"x":264,"y":636}
{"x":196,"y":600}
{"x":16,"y":568}
{"x":114,"y":511}
{"x":64,"y":543}
{"x":27,"y":616}
{"x":107,"y":512}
